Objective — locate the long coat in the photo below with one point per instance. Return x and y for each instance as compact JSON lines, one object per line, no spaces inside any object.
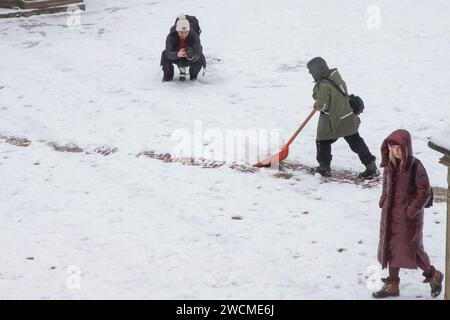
{"x":336,"y":118}
{"x":401,"y":235}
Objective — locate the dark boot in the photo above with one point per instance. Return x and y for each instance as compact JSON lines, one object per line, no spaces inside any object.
{"x":370,"y":172}
{"x":167,"y":67}
{"x":194,"y":70}
{"x":323,"y":169}
{"x":391,"y":288}
{"x":434,"y":278}
{"x":168,"y":73}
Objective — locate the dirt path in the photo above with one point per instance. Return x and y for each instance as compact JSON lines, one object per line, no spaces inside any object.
{"x":286,"y":170}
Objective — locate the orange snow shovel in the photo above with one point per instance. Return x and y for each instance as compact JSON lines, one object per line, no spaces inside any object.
{"x":280,"y":156}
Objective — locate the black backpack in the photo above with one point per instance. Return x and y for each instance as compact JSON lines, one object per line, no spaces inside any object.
{"x":193,"y":21}
{"x":412,"y":184}
{"x":356,"y":103}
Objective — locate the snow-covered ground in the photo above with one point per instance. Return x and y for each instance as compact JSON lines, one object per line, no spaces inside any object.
{"x":442,"y":138}
{"x":140,"y":228}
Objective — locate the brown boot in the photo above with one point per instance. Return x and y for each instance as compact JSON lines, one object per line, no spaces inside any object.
{"x":434,"y":278}
{"x":391,"y":288}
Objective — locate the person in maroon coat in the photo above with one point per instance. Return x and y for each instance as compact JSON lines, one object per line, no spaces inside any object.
{"x":401,"y":227}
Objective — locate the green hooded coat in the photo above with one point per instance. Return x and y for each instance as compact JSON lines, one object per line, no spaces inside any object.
{"x":336,"y":116}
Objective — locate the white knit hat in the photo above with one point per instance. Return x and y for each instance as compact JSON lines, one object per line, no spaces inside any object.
{"x":183,"y":24}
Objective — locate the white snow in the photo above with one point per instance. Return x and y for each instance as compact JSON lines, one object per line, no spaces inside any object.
{"x":141,"y":228}
{"x":442,"y":138}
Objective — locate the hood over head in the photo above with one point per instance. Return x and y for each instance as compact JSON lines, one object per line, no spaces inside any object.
{"x":318,"y":68}
{"x":401,"y":138}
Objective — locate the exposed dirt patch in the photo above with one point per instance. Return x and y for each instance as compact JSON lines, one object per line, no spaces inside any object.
{"x":285,"y":171}
{"x":105,"y":151}
{"x":340,"y":176}
{"x":66,"y":148}
{"x":15,"y":141}
{"x":203,"y":163}
{"x":167,"y":157}
{"x":243,"y":168}
{"x":283,"y":175}
{"x":440,"y":194}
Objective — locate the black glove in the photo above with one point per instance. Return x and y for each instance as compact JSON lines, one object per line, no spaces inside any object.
{"x":190,"y":53}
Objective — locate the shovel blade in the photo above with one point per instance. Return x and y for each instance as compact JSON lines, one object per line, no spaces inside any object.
{"x":274,"y":159}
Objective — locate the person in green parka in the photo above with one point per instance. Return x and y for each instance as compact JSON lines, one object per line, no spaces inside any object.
{"x":336,"y":120}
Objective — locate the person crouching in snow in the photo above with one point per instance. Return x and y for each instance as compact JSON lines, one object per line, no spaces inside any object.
{"x":336,"y":120}
{"x":403,"y":201}
{"x":183,"y":48}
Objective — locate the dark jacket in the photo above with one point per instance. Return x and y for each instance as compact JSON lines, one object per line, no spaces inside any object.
{"x":401,"y":236}
{"x":193,"y":41}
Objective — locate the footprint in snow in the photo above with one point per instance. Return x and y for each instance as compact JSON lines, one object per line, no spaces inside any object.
{"x":30,"y":44}
{"x":42,"y":33}
{"x":115,"y":9}
{"x":101,"y":31}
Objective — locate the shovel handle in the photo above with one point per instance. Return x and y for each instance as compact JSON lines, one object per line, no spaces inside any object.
{"x":301,"y":127}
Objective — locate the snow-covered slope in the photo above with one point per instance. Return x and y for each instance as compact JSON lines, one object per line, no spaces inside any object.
{"x":139,"y":228}
{"x":442,"y":138}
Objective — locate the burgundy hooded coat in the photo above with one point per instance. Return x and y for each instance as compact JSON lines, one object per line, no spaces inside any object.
{"x":401,"y":235}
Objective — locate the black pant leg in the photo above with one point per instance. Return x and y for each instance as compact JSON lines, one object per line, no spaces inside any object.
{"x":194,"y":68}
{"x":358,"y":146}
{"x":323,"y":148}
{"x":167,"y":66}
{"x":165,"y":61}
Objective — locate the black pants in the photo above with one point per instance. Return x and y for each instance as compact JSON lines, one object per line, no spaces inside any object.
{"x":355,"y":142}
{"x":167,"y":65}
